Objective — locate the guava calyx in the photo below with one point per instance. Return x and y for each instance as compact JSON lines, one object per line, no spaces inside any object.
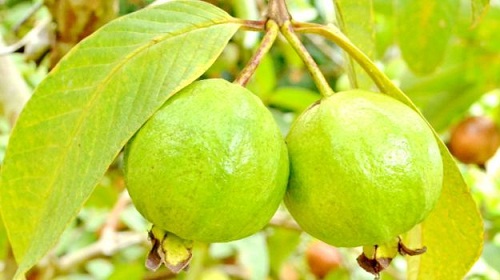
{"x":374,"y":259}
{"x":168,"y":249}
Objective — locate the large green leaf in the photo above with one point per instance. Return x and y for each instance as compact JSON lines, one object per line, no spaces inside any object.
{"x":424,"y":29}
{"x":281,"y":243}
{"x":295,"y":99}
{"x":3,"y":239}
{"x":263,"y":80}
{"x":468,"y":71}
{"x":84,"y":112}
{"x":444,"y":96}
{"x":479,"y":8}
{"x":452,"y":232}
{"x":356,"y":19}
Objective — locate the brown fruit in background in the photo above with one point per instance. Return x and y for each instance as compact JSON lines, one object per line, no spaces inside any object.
{"x":475,"y":140}
{"x":289,"y":272}
{"x":322,"y":258}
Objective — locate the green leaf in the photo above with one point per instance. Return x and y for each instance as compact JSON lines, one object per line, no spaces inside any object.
{"x":247,"y":10}
{"x":468,"y":71}
{"x":485,"y":38}
{"x":424,"y":29}
{"x":357,"y":21}
{"x":444,"y":96}
{"x":479,"y":8}
{"x":84,"y":112}
{"x":302,"y":10}
{"x":253,"y":255}
{"x":490,"y":254}
{"x":3,"y":239}
{"x":282,"y":243}
{"x":293,"y":98}
{"x":128,"y":271}
{"x":452,"y":232}
{"x":263,"y":81}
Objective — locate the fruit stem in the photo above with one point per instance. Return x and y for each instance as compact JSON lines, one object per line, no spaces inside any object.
{"x":288,"y":31}
{"x":334,"y":34}
{"x":278,"y":11}
{"x":267,"y":42}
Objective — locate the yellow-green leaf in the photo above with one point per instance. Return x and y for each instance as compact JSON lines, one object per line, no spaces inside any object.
{"x":356,"y":19}
{"x":3,"y":239}
{"x":479,"y":9}
{"x":292,"y":98}
{"x":452,"y":232}
{"x":424,"y":29}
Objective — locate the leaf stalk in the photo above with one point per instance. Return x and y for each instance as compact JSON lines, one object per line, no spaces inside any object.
{"x":267,"y":42}
{"x":335,"y":35}
{"x":288,"y":31}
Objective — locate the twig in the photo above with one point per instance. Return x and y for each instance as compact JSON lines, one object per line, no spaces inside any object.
{"x":14,"y":91}
{"x":35,"y":8}
{"x":113,"y":220}
{"x":236,"y":271}
{"x":103,"y":247}
{"x":33,"y":33}
{"x":265,"y":46}
{"x":110,"y":241}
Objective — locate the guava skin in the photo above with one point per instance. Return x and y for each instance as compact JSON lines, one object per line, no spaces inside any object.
{"x":364,"y":168}
{"x":211,"y":165}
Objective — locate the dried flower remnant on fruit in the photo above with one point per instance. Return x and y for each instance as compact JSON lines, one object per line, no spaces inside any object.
{"x":374,"y":259}
{"x":168,"y":249}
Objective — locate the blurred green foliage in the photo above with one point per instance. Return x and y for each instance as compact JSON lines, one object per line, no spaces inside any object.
{"x":448,"y":79}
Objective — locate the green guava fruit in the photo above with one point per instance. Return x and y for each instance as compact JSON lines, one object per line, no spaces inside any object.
{"x":211,"y":165}
{"x":364,"y":168}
